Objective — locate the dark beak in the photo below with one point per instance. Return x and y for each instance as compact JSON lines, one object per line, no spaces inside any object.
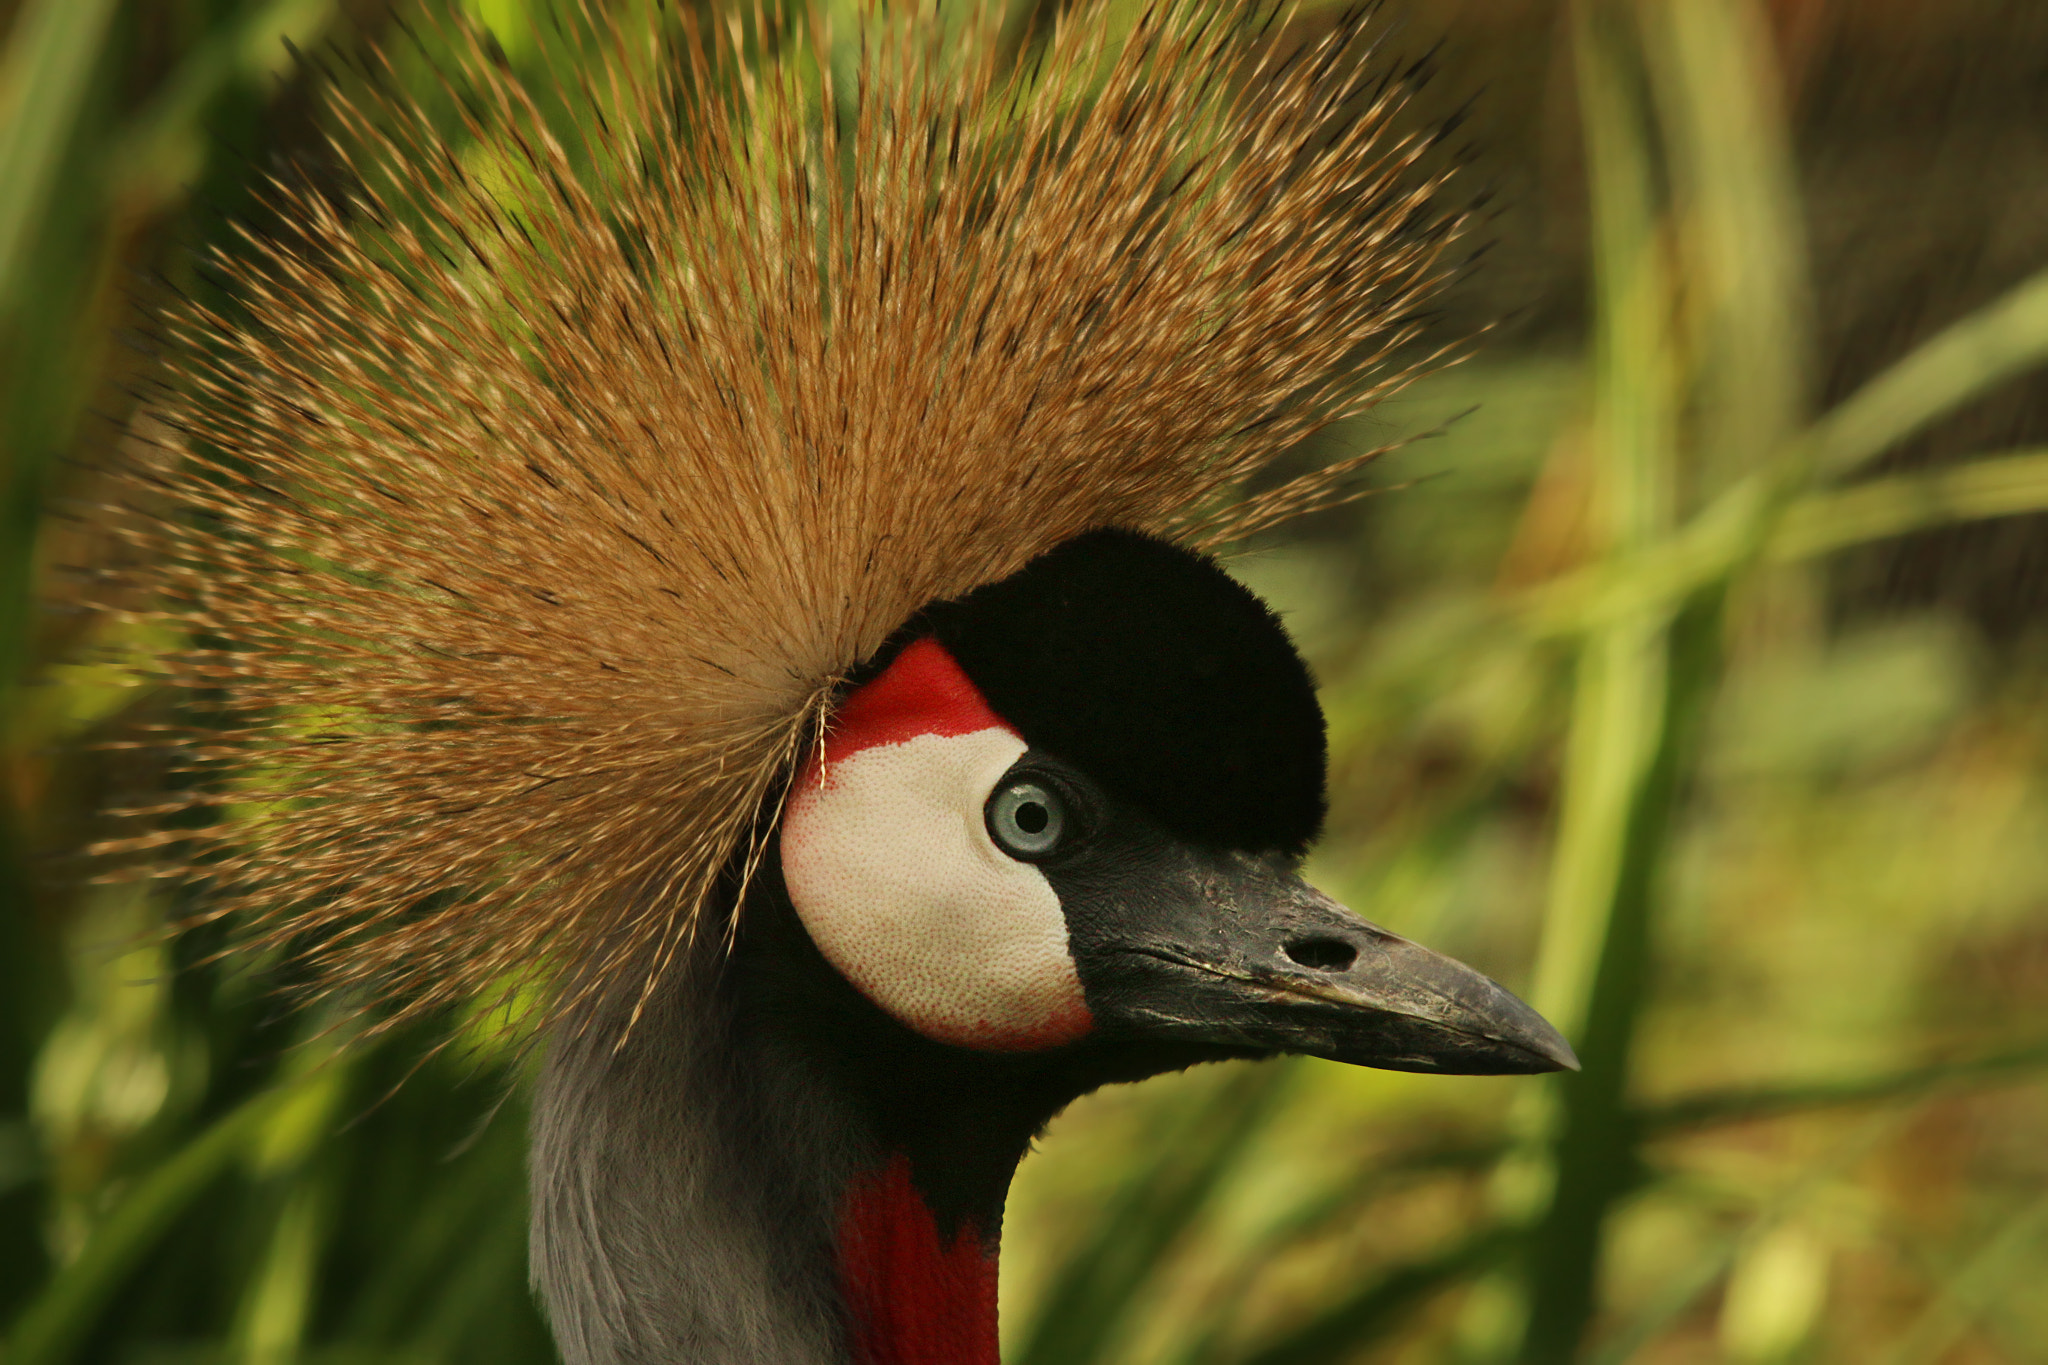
{"x":1249,"y":955}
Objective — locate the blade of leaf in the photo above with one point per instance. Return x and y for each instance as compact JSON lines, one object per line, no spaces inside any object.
{"x":1090,"y":1303}
{"x":1997,"y":343}
{"x":1207,"y":1342}
{"x":1618,"y":765}
{"x":46,"y":75}
{"x":457,"y":1214}
{"x":2008,"y":485}
{"x":1337,"y":1332}
{"x":1747,"y":1104}
{"x":1972,"y":1287}
{"x":1741,"y":229}
{"x":1680,"y":1292}
{"x":59,"y":1317}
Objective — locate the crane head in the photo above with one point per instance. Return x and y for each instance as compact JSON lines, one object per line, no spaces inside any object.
{"x":1070,"y":808}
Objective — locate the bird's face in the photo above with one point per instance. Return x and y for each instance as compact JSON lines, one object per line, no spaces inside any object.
{"x":1071,"y":806}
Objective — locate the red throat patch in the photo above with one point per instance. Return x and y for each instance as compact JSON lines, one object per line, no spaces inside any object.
{"x":909,"y":1299}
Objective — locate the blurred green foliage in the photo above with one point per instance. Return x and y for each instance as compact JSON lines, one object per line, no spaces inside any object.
{"x":1778,"y":869}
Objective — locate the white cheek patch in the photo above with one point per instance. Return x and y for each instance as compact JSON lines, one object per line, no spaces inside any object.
{"x":890,"y":866}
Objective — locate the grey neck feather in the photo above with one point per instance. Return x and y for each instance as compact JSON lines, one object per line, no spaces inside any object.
{"x":684,"y":1190}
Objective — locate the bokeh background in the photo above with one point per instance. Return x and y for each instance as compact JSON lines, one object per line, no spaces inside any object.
{"x":1689,"y":676}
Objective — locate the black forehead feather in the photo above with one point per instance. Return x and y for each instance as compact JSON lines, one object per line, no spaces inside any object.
{"x":1161,"y":677}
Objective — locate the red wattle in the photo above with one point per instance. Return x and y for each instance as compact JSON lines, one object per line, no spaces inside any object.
{"x":922,"y":692}
{"x":909,"y":1299}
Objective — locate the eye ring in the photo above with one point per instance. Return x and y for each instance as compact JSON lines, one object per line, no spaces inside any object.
{"x":1027,"y":818}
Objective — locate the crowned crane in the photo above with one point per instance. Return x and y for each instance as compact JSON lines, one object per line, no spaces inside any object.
{"x":725,"y":561}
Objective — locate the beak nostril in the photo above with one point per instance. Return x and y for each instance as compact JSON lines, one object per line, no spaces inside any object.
{"x":1323,"y":954}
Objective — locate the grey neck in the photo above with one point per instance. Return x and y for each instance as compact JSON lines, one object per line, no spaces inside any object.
{"x":683,"y":1193}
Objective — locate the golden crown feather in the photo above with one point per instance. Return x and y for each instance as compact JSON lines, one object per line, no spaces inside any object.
{"x":526,"y":508}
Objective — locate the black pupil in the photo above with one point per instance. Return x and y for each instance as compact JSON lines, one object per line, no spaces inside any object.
{"x":1032,"y":817}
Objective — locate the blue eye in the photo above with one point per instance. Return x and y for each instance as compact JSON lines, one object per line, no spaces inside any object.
{"x":1026,"y":819}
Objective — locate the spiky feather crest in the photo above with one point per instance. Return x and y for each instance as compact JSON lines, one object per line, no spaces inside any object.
{"x":524,"y":514}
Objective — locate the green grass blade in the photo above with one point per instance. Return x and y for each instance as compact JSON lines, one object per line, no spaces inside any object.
{"x":1975,"y":1284}
{"x":1595,"y":1157}
{"x":52,"y":103}
{"x":1619,"y":695}
{"x":457,"y":1214}
{"x":45,"y":79}
{"x":60,"y":1316}
{"x":1209,"y":1341}
{"x":1088,"y":1305}
{"x":1336,"y":1333}
{"x":493,"y":1268}
{"x":2008,"y":485}
{"x":1742,"y":234}
{"x":1621,"y":675}
{"x":1749,"y":1104}
{"x":1718,"y":543}
{"x":1641,"y":689}
{"x":271,"y":1323}
{"x":1681,"y":1292}
{"x":1991,"y":346}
